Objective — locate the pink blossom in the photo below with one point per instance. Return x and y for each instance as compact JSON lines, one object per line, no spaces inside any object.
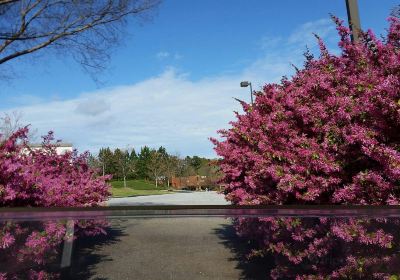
{"x":328,"y":135}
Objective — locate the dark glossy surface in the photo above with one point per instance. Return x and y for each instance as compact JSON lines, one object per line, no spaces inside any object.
{"x":201,"y":243}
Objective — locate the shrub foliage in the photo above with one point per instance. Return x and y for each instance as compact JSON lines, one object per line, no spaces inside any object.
{"x":328,"y":135}
{"x":40,"y":177}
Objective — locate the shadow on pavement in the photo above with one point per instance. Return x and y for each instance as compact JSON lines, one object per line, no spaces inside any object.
{"x":252,"y":269}
{"x":86,"y":257}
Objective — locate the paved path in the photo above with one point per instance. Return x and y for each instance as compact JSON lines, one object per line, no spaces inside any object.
{"x":163,"y":249}
{"x":180,"y":198}
{"x":167,"y":248}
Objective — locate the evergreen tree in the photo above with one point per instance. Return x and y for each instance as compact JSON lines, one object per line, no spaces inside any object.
{"x":133,"y":158}
{"x":143,"y":163}
{"x":196,"y":163}
{"x":106,"y":160}
{"x":118,"y":159}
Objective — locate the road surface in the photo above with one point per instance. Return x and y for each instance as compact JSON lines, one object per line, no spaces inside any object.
{"x":189,"y":248}
{"x":179,"y":198}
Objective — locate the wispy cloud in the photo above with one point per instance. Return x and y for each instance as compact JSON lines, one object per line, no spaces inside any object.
{"x":168,"y":109}
{"x":268,"y":42}
{"x":178,"y":56}
{"x":304,"y":34}
{"x":162,"y":55}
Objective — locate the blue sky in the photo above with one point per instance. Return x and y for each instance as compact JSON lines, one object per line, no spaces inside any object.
{"x":172,"y":80}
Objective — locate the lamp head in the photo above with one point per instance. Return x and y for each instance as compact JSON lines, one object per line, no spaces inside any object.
{"x":244,"y":84}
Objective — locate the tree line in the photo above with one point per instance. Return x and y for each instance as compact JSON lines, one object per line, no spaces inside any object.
{"x":152,"y":164}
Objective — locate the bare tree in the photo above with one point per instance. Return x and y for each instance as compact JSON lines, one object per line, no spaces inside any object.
{"x":126,"y":164}
{"x":10,"y":123}
{"x":171,"y":165}
{"x":156,"y":166}
{"x":84,"y":29}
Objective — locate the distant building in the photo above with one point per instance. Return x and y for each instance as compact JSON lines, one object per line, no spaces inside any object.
{"x":61,"y":148}
{"x":191,"y":182}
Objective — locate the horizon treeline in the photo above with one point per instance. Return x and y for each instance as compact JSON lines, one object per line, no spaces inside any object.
{"x":152,"y":164}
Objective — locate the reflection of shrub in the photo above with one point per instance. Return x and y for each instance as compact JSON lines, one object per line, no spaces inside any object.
{"x":326,"y":248}
{"x":32,"y":250}
{"x":328,"y":135}
{"x":42,"y":178}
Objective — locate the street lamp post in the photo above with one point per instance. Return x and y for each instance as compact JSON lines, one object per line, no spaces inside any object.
{"x":246,"y":84}
{"x":354,"y":19}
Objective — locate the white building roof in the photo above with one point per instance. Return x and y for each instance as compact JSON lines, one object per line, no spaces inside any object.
{"x":61,"y":144}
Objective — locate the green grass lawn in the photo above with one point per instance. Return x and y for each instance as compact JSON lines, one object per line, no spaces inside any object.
{"x":136,"y":188}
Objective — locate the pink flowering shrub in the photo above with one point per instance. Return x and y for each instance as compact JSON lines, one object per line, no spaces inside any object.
{"x":328,"y":135}
{"x":42,"y":178}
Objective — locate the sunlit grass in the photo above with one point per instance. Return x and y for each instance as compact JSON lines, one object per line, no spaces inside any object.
{"x":136,"y":188}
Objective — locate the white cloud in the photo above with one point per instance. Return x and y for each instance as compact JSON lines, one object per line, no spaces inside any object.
{"x":168,"y":109}
{"x":92,"y":107}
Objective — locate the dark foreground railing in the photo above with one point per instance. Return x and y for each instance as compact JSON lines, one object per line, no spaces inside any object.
{"x":200,"y":242}
{"x":198,"y":211}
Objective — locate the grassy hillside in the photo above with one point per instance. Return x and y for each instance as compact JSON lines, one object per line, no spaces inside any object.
{"x":135,"y":188}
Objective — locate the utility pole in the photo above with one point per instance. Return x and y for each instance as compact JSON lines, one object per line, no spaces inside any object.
{"x":354,"y":19}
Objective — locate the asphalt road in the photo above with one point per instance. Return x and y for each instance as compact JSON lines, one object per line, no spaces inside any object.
{"x":178,"y":248}
{"x":163,"y":248}
{"x":180,"y":198}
